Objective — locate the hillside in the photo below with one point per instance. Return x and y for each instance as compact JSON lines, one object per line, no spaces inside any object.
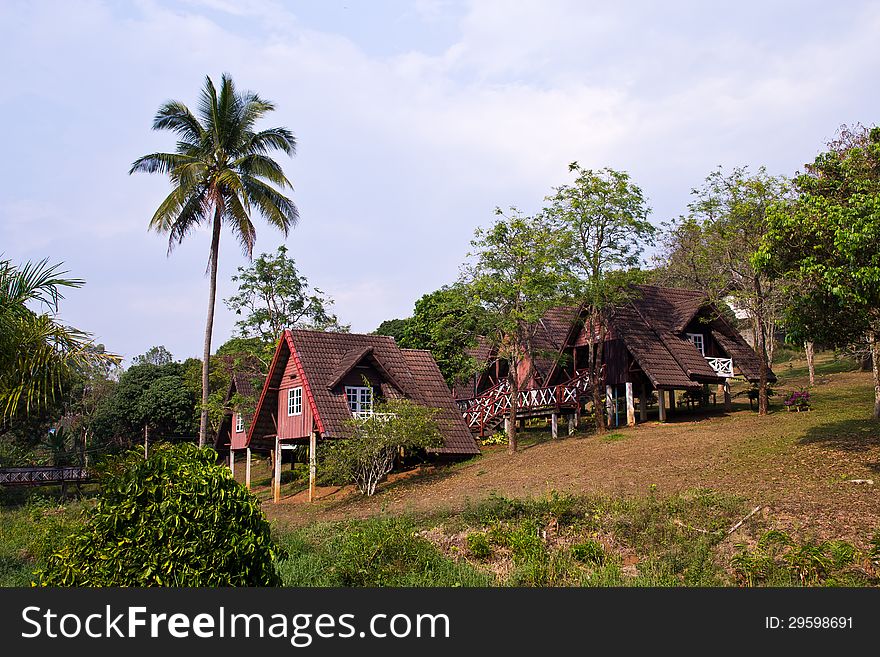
{"x":798,"y":467}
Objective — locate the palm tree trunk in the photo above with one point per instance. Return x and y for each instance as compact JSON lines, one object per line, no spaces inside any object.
{"x":209,"y":327}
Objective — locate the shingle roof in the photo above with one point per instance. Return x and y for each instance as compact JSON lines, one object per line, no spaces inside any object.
{"x":241,"y":384}
{"x":326,"y":358}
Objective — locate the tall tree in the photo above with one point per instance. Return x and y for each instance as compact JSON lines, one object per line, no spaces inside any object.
{"x":220,"y":173}
{"x":603,"y":217}
{"x":712,"y":250}
{"x":446,"y":322}
{"x":828,"y":243}
{"x":394,"y":328}
{"x":516,"y":274}
{"x":38,"y":354}
{"x":273,"y":295}
{"x":156,"y":355}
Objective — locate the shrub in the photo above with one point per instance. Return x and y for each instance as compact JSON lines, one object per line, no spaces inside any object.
{"x":478,"y":545}
{"x":367,"y":455}
{"x":589,"y":552}
{"x":175,"y":519}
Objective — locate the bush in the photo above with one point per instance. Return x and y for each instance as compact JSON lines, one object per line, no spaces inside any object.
{"x":589,"y":552}
{"x":478,"y":545}
{"x":175,"y":519}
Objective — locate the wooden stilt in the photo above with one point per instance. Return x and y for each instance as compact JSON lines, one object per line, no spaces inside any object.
{"x":672,"y":401}
{"x":630,"y":405}
{"x":609,"y":405}
{"x":522,"y":424}
{"x":276,"y":479}
{"x":247,"y":469}
{"x":661,"y":404}
{"x":572,"y":424}
{"x":643,"y":404}
{"x":313,"y":455}
{"x":232,"y":462}
{"x":554,"y":425}
{"x":727,"y":402}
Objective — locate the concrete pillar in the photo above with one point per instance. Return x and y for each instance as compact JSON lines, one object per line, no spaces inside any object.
{"x":507,"y":426}
{"x":247,"y":469}
{"x":554,"y":426}
{"x":609,"y":405}
{"x":572,"y":424}
{"x":661,"y":404}
{"x":232,"y":462}
{"x":630,"y":406}
{"x":313,"y":463}
{"x":276,"y":478}
{"x":727,"y":402}
{"x":643,"y":404}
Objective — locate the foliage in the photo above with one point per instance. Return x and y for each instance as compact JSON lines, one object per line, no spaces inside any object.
{"x":368,"y":454}
{"x":395,"y":328}
{"x":497,"y":438}
{"x":175,"y":519}
{"x":154,"y":396}
{"x":157,"y":355}
{"x":516,"y":275}
{"x":39,"y":356}
{"x":589,"y":552}
{"x":798,"y":399}
{"x":712,"y":250}
{"x":827,"y":243}
{"x":478,"y":545}
{"x":602,"y":217}
{"x":778,"y":559}
{"x":220,"y":173}
{"x":447,"y":322}
{"x":273,"y":295}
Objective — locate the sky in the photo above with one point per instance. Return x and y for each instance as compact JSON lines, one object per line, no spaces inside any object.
{"x":414,"y":120}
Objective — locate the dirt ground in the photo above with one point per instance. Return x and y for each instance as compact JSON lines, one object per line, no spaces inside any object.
{"x":802,"y":468}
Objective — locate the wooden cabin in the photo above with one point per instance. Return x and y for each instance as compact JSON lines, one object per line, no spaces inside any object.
{"x":318,"y":381}
{"x":232,"y":433}
{"x":661,"y":341}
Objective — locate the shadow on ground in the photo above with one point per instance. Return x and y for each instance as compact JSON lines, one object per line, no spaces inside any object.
{"x":845,"y":435}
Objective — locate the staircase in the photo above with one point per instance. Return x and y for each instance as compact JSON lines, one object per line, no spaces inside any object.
{"x":488,"y":410}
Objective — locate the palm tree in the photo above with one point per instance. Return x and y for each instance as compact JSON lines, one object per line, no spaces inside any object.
{"x":38,"y":354}
{"x":220,"y":173}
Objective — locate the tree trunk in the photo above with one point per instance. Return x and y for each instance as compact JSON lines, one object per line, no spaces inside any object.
{"x":811,"y":364}
{"x":209,"y":326}
{"x":513,"y":380}
{"x":875,"y":366}
{"x":761,"y":337}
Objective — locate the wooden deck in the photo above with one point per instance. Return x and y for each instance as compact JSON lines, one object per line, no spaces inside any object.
{"x":41,"y":475}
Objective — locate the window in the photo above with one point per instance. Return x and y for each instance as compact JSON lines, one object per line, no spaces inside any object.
{"x":295,"y":401}
{"x":697,"y":339}
{"x":360,"y":400}
{"x":239,"y":423}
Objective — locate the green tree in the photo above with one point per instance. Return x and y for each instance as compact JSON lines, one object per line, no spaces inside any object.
{"x":516,"y":274}
{"x":38,"y":354}
{"x":158,"y":355}
{"x":827,"y":243}
{"x":712,"y":250}
{"x":220,"y":173}
{"x":273,"y":295}
{"x":175,"y":519}
{"x":375,"y":441}
{"x":446,"y":323}
{"x":394,"y":328}
{"x":603,"y":218}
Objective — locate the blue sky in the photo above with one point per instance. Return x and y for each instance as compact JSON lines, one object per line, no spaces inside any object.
{"x":414,"y":120}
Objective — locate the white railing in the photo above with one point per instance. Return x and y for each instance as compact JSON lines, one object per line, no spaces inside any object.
{"x":722,"y":366}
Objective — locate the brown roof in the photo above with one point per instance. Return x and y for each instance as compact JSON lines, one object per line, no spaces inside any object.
{"x":551,"y":337}
{"x":325,"y":359}
{"x":240,"y":384}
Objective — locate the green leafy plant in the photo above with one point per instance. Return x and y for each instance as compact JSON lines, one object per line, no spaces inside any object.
{"x":478,"y":545}
{"x":589,"y":552}
{"x":175,"y":519}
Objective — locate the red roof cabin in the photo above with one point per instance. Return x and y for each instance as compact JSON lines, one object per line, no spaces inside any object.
{"x":318,"y":380}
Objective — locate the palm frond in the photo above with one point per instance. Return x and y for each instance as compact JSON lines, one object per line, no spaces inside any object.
{"x":272,"y":204}
{"x":176,"y":116}
{"x":160,"y":162}
{"x":238,"y":219}
{"x":262,"y":167}
{"x":272,"y":139}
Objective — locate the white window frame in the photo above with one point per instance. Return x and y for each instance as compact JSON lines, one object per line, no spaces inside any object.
{"x":294,"y":401}
{"x":694,"y":338}
{"x":239,"y":423}
{"x":360,"y":400}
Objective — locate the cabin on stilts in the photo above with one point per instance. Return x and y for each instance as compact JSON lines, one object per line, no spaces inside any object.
{"x":318,"y":381}
{"x":660,"y":342}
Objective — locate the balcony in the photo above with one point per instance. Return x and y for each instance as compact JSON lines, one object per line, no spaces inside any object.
{"x":723,"y":366}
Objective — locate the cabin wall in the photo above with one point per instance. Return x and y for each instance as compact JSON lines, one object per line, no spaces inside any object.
{"x":712,"y":348}
{"x":616,"y":359}
{"x":293,"y":426}
{"x":237,"y":439}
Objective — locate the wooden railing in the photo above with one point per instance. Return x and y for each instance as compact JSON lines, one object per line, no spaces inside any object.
{"x":39,"y":475}
{"x":492,"y":406}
